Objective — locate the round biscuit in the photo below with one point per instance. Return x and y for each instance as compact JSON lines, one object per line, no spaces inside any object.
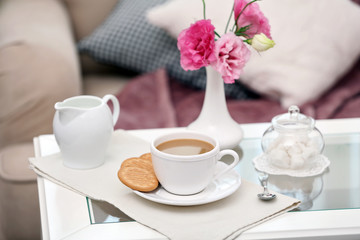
{"x":139,"y":179}
{"x":146,"y":156}
{"x":137,"y":162}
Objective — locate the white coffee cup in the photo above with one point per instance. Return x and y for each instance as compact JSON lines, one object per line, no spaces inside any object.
{"x":188,"y":174}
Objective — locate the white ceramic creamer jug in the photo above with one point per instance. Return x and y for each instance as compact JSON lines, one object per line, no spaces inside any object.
{"x":82,"y":127}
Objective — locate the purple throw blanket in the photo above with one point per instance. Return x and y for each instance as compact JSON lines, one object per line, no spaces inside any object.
{"x":155,"y":101}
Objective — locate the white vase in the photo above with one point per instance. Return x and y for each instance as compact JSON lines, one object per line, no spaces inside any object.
{"x":214,"y":118}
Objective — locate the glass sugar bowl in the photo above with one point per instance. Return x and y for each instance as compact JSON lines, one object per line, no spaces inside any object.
{"x":292,"y":141}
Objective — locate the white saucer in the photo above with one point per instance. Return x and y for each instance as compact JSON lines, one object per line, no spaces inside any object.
{"x":316,"y":168}
{"x":217,"y":189}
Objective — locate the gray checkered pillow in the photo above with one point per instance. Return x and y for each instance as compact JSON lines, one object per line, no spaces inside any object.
{"x":128,"y":41}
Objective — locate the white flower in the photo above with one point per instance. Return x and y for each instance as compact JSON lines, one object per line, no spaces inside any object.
{"x":261,"y":42}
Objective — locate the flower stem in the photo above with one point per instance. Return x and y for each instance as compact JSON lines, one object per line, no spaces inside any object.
{"x":228,"y":22}
{"x":217,"y":34}
{"x":248,"y":41}
{"x":204,"y":9}
{"x":237,"y":18}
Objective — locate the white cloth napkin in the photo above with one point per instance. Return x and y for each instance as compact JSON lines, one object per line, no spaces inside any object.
{"x":223,"y":219}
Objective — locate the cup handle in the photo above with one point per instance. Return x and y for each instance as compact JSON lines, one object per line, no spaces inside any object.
{"x":230,"y":166}
{"x":116,"y":106}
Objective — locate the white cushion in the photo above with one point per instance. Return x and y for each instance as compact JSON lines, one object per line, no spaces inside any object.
{"x":316,"y":43}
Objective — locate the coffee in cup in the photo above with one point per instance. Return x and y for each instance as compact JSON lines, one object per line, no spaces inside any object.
{"x":185,"y":147}
{"x":185,"y":162}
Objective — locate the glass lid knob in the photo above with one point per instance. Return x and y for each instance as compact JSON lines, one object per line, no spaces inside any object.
{"x":294,"y":111}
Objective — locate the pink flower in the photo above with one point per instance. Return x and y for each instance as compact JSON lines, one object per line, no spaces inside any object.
{"x":196,"y":45}
{"x":232,"y":55}
{"x":252,"y":16}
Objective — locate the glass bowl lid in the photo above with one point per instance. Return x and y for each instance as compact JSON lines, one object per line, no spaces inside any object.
{"x":293,"y":120}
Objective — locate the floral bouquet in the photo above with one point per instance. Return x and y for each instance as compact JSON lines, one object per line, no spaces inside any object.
{"x":200,"y":45}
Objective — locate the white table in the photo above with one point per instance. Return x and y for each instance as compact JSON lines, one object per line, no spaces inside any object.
{"x":66,"y":215}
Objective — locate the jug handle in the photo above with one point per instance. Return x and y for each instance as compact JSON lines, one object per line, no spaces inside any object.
{"x":116,"y":106}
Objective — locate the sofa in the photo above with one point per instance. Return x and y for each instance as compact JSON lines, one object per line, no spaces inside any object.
{"x":40,"y":64}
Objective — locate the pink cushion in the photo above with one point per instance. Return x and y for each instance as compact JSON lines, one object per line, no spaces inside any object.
{"x":145,"y":102}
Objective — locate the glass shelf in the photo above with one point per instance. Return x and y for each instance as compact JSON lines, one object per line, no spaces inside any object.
{"x":337,"y":188}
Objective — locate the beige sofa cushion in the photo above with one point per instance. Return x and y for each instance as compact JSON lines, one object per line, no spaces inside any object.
{"x":38,"y":67}
{"x":99,"y":85}
{"x":14,"y":163}
{"x":19,"y":204}
{"x":86,"y":15}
